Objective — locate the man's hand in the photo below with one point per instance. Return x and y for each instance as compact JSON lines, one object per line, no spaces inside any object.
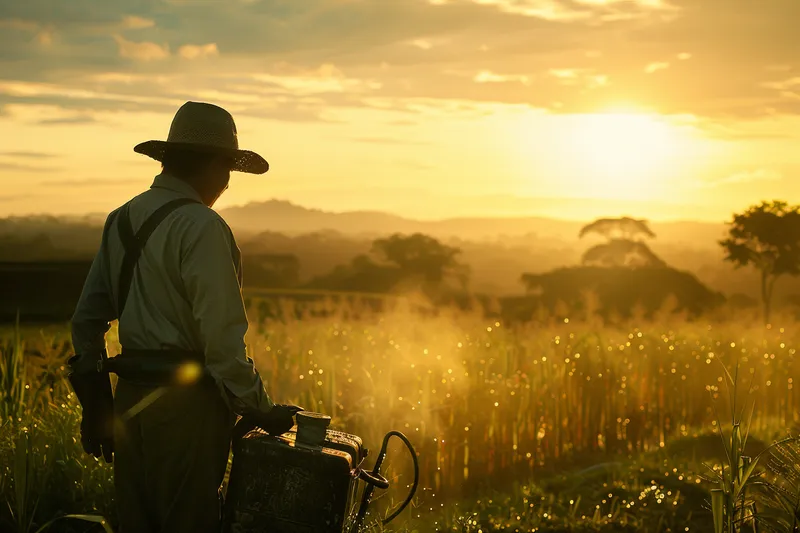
{"x":96,"y":438}
{"x":278,"y":420}
{"x":93,"y":390}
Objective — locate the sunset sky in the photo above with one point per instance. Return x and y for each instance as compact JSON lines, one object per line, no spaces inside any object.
{"x":668,"y":109}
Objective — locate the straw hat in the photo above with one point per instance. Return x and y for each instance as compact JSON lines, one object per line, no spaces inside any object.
{"x":205,"y":128}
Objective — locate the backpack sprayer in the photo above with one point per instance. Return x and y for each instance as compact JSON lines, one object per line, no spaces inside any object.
{"x":304,"y":481}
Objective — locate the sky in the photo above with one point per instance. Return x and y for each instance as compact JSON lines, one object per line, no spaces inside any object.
{"x":666,"y":109}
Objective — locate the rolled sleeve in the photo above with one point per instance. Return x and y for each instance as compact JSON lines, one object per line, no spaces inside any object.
{"x":211,"y":278}
{"x":95,"y":309}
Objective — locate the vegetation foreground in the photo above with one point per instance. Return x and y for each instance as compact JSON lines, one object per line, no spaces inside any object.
{"x":557,"y":426}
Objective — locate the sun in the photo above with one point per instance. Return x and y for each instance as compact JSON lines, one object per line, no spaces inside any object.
{"x":626,"y":152}
{"x":622,"y":155}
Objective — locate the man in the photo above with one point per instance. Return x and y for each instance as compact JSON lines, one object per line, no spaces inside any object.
{"x":169,"y":270}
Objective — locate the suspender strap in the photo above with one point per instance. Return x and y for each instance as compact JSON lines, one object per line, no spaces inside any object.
{"x":134,"y":242}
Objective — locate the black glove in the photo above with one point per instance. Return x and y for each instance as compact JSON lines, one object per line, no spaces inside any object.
{"x":93,"y":389}
{"x":97,"y":438}
{"x":278,"y":420}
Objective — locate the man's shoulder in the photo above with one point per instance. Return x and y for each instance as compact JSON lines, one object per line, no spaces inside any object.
{"x":192,"y":218}
{"x":197,"y":221}
{"x":201,"y":214}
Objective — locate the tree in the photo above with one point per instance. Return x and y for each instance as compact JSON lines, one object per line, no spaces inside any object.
{"x":767,"y":237}
{"x":422,"y":257}
{"x":621,"y":253}
{"x":621,"y":290}
{"x":622,"y":228}
{"x":624,"y":246}
{"x":278,"y":271}
{"x":399,"y":263}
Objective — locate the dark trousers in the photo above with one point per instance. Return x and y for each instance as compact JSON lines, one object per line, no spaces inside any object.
{"x":170,"y":458}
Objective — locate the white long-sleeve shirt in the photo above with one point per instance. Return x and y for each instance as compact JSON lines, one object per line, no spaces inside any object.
{"x":186,"y":292}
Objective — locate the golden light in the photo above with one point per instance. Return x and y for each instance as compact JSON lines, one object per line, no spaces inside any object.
{"x":189,"y":373}
{"x":622,"y":155}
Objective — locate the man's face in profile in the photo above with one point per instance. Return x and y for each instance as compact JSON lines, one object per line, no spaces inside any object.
{"x":218,"y":176}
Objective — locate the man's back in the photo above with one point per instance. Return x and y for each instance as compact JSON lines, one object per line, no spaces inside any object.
{"x":185,"y":291}
{"x":158,"y":313}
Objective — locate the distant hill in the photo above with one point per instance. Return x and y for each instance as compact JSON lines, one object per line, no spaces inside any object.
{"x":290,"y":219}
{"x":498,"y":250}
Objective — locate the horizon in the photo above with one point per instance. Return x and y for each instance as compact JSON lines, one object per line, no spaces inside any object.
{"x":398,"y":214}
{"x":455,"y":108}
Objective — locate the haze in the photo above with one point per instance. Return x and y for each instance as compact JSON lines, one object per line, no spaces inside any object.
{"x":667,"y":109}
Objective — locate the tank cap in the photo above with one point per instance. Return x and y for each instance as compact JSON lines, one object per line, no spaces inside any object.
{"x":312,"y":428}
{"x":313,"y":419}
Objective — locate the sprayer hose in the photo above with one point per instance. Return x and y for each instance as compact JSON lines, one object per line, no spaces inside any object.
{"x":416,"y":473}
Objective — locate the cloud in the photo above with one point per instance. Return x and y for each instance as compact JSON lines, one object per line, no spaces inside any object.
{"x":15,"y":197}
{"x":19,"y":24}
{"x":655,"y":67}
{"x":747,"y":176}
{"x":26,"y":168}
{"x":191,"y":51}
{"x":413,"y":164}
{"x":327,"y":78}
{"x":754,"y":175}
{"x":389,"y":140}
{"x":43,"y":35}
{"x":92,"y":182}
{"x":63,"y":121}
{"x":788,"y":88}
{"x":133,"y":22}
{"x":28,"y":155}
{"x":141,"y":51}
{"x":422,"y":43}
{"x":579,"y":10}
{"x":744,"y":131}
{"x":587,"y":78}
{"x":84,"y":99}
{"x":580,"y":55}
{"x":487,"y":76}
{"x":545,"y":9}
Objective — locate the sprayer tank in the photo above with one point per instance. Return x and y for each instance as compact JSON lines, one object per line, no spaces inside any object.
{"x":303,"y":481}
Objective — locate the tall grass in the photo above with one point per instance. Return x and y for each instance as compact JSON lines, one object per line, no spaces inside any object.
{"x":487,"y":405}
{"x":44,"y":475}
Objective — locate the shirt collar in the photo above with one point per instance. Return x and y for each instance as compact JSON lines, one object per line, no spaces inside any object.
{"x":166,"y":181}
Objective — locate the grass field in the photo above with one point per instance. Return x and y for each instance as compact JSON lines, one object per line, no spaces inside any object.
{"x":549,"y":426}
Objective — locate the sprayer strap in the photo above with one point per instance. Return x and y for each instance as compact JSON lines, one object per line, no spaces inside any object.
{"x":133,"y":243}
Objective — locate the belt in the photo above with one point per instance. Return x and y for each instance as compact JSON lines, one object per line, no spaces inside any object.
{"x":157,"y":367}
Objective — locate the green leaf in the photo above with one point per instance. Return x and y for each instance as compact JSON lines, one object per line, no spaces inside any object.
{"x":746,"y":470}
{"x":717,"y":508}
{"x":83,"y":517}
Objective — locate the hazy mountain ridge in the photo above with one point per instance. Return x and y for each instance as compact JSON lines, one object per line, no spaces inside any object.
{"x":498,"y":250}
{"x":285,"y":217}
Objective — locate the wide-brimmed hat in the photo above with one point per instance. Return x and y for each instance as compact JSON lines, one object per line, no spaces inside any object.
{"x":203,"y":127}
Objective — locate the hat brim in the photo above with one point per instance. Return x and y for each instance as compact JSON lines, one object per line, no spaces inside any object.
{"x":243,"y":160}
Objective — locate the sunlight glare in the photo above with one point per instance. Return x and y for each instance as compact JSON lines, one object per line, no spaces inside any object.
{"x":623,"y":142}
{"x":622,"y":154}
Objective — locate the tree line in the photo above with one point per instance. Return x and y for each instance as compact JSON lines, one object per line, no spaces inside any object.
{"x":622,"y":272}
{"x":619,"y":276}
